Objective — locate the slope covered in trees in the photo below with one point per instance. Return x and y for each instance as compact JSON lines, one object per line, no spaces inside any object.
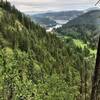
{"x":35,"y":65}
{"x":85,"y":27}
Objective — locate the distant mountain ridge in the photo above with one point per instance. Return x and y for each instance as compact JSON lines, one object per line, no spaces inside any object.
{"x":53,"y":18}
{"x":92,"y":9}
{"x":62,"y":15}
{"x":91,"y":17}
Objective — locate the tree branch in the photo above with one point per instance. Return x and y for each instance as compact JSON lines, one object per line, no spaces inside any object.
{"x":97,"y":2}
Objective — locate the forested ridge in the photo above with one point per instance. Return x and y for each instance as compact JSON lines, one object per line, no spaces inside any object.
{"x":85,"y":27}
{"x":35,"y":65}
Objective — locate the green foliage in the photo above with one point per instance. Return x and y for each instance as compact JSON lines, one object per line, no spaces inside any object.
{"x":88,"y":33}
{"x":35,"y":65}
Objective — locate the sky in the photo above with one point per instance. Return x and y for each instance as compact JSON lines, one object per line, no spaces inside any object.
{"x":37,"y":6}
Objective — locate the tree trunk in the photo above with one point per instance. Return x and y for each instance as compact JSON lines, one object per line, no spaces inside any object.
{"x":85,"y":83}
{"x":81,"y":84}
{"x":95,"y":94}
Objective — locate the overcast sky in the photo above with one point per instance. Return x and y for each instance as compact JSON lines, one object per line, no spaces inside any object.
{"x":29,"y":6}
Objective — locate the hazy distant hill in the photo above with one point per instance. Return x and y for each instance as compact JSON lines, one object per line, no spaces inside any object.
{"x":63,"y":15}
{"x":91,"y":17}
{"x":44,"y":21}
{"x":54,"y":18}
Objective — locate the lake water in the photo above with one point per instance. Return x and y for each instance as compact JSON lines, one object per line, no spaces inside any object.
{"x":59,"y":24}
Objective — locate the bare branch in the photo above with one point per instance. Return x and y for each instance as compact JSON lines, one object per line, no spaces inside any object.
{"x":97,"y":2}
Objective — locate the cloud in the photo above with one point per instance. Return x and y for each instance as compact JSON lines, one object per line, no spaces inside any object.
{"x":45,"y":5}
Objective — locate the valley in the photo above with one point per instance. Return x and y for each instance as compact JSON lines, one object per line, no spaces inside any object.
{"x":47,"y":56}
{"x":54,"y":19}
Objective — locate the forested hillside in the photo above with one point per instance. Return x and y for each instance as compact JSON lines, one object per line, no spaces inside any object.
{"x":85,"y":27}
{"x":35,"y":65}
